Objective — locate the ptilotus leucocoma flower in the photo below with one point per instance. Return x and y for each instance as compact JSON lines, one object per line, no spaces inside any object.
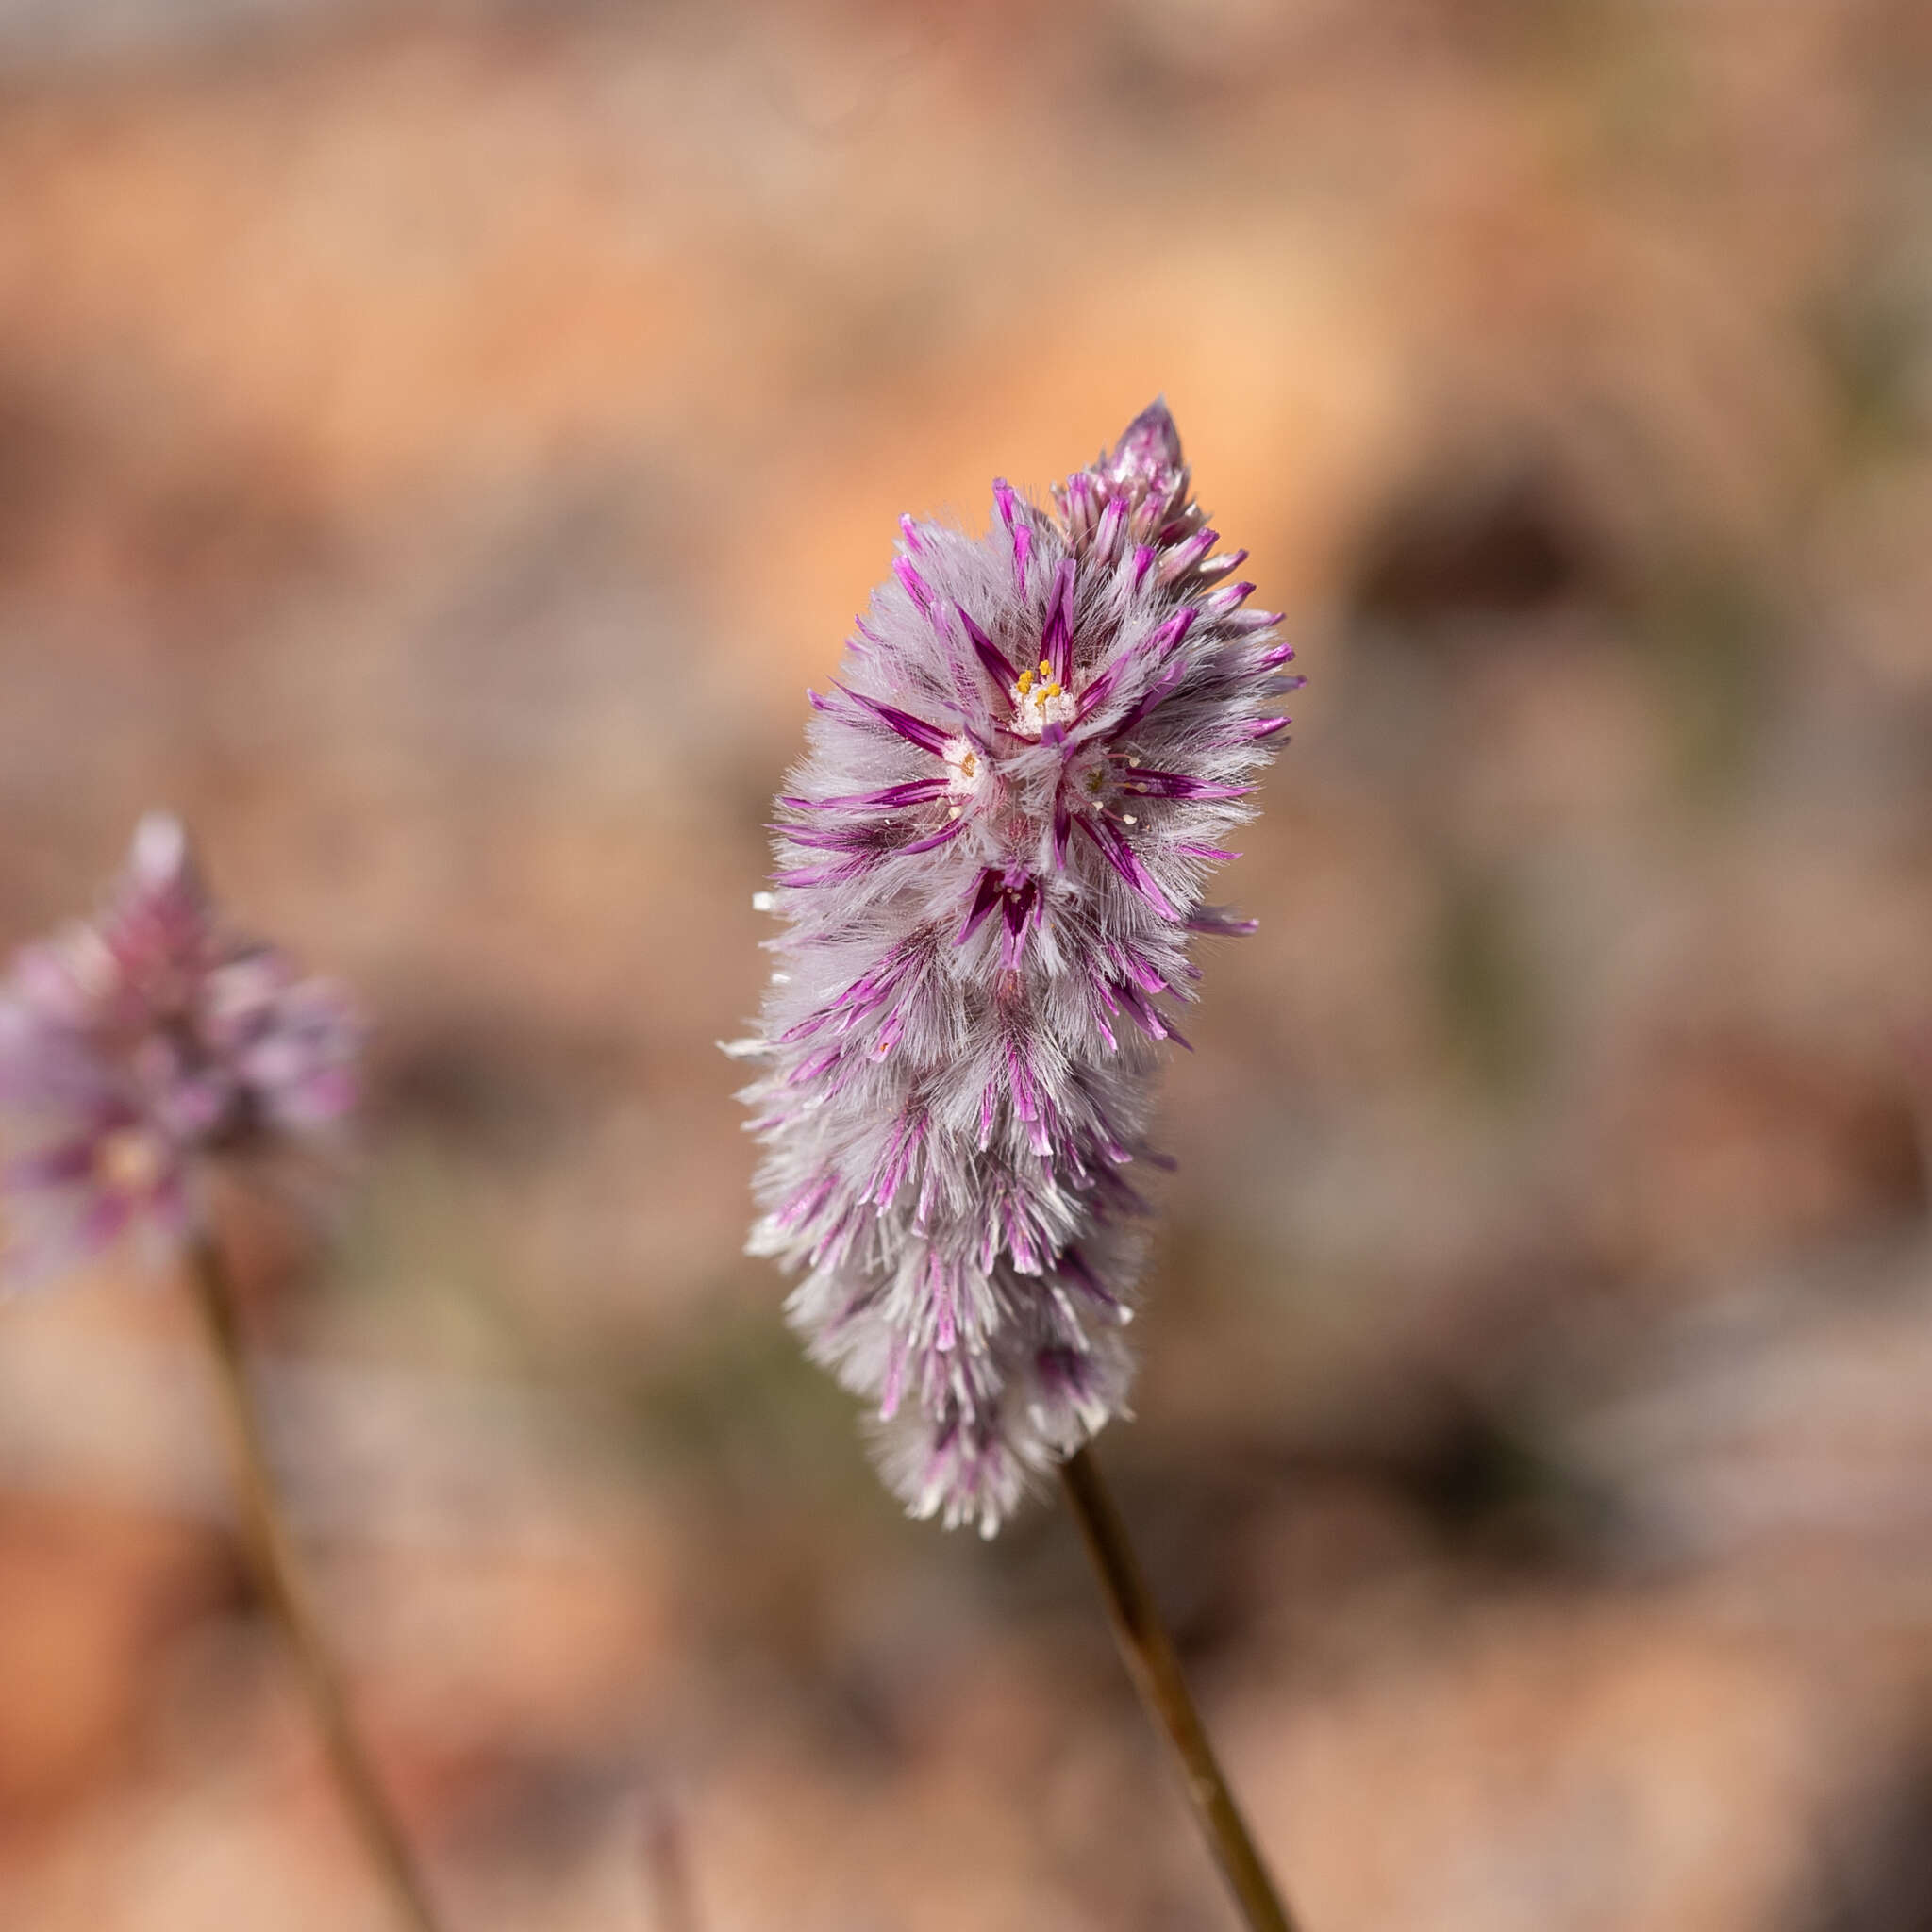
{"x":989,"y":866}
{"x":137,"y":1044}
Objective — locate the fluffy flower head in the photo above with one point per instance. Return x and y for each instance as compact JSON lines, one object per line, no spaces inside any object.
{"x":140,"y":1040}
{"x":990,"y":865}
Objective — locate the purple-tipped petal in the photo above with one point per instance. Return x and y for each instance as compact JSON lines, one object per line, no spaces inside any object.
{"x":1057,"y":635}
{"x":1184,"y":556}
{"x":1215,"y":569}
{"x":1162,"y":688}
{"x":916,"y":586}
{"x":913,"y":730}
{"x":1151,"y":784}
{"x":997,"y":665}
{"x":1219,"y":920}
{"x":1112,"y":528}
{"x":933,"y":840}
{"x":887,"y":798}
{"x":1113,"y":847}
{"x":986,"y":896}
{"x":1228,"y":599}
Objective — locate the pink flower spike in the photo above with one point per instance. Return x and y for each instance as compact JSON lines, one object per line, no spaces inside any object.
{"x":986,"y":870}
{"x":140,"y":1047}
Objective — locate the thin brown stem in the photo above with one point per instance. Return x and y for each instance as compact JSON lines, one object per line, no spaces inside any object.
{"x":281,"y":1580}
{"x":1156,"y":1673}
{"x":667,"y":1879}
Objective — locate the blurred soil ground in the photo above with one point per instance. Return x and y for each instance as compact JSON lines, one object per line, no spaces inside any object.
{"x":439,"y":441}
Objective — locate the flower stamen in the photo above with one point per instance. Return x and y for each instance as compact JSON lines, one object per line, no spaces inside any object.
{"x":965,"y":770}
{"x":1039,"y":700}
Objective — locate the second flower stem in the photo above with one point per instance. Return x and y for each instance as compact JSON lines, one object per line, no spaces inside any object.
{"x":1155,"y":1670}
{"x":282,"y":1582}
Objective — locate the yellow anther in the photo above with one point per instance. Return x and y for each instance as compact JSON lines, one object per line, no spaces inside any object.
{"x":1053,"y":691}
{"x":1025,"y":683}
{"x":1046,"y":667}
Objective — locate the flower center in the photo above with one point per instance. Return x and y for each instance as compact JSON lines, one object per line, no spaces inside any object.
{"x":965,"y":769}
{"x":1039,"y":701}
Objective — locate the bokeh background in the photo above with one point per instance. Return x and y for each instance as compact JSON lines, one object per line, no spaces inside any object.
{"x":438,"y":441}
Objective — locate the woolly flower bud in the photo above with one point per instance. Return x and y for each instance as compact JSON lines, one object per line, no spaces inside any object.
{"x":990,"y":863}
{"x":131,"y":1044}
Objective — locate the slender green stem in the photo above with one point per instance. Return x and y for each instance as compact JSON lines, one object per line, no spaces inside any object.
{"x":1156,"y":1673}
{"x":281,"y":1580}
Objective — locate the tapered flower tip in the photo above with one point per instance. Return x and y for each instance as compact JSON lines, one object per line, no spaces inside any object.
{"x":161,"y":898}
{"x":157,"y":931}
{"x":159,"y":857}
{"x":1148,"y":445}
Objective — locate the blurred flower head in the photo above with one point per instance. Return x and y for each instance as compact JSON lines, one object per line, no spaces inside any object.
{"x":990,"y":865}
{"x":137,"y":1044}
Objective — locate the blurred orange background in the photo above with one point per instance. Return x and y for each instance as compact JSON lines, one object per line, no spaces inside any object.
{"x":439,"y":440}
